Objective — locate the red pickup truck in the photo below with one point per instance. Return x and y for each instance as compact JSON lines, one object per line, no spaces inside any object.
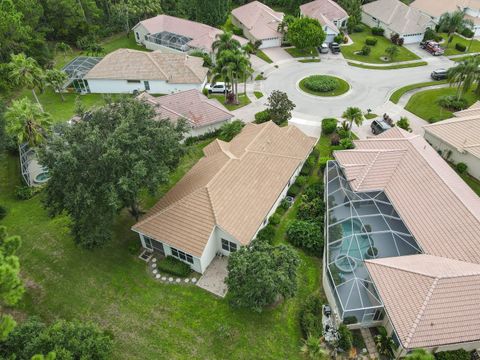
{"x":432,"y":47}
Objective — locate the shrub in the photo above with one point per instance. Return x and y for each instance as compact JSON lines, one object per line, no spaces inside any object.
{"x":339,"y":38}
{"x":400,"y":41}
{"x":350,"y":320}
{"x":461,"y":167}
{"x":284,"y":205}
{"x":230,"y":129}
{"x":358,"y":28}
{"x":430,"y":34}
{"x":194,"y":139}
{"x":306,"y":235}
{"x":453,"y":355}
{"x":26,"y":192}
{"x":320,"y":83}
{"x":377,"y":31}
{"x":460,"y":47}
{"x":323,"y":162}
{"x":346,"y":338}
{"x":313,"y":191}
{"x":357,"y":339}
{"x":394,"y":38}
{"x":452,"y":102}
{"x":3,"y":212}
{"x":294,"y":190}
{"x":404,"y":123}
{"x":262,"y":116}
{"x":306,"y":169}
{"x":311,"y":316}
{"x":365,"y":50}
{"x":334,"y":140}
{"x":237,"y":31}
{"x":173,"y":266}
{"x":315,"y":153}
{"x":275,"y":219}
{"x":468,"y":33}
{"x":346,"y":144}
{"x":301,"y":181}
{"x":311,"y":160}
{"x":329,"y":125}
{"x":343,"y":133}
{"x":266,"y":234}
{"x":205,"y":91}
{"x":371,"y":41}
{"x":311,"y":210}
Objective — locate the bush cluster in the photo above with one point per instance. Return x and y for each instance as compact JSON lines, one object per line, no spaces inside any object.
{"x":294,"y":190}
{"x":323,"y":162}
{"x":358,"y":28}
{"x":453,"y":355}
{"x":461,"y":168}
{"x":357,"y":339}
{"x":275,"y":219}
{"x":430,"y":34}
{"x":311,"y":316}
{"x":329,"y":125}
{"x":366,"y":50}
{"x":301,"y":180}
{"x":377,"y":31}
{"x":460,"y":47}
{"x":173,"y":266}
{"x":3,"y":212}
{"x":262,"y":116}
{"x":26,"y":192}
{"x":266,"y":234}
{"x":346,"y":338}
{"x":320,"y":83}
{"x":194,"y":139}
{"x":371,"y":41}
{"x":346,"y":144}
{"x":451,"y":102}
{"x":468,"y":33}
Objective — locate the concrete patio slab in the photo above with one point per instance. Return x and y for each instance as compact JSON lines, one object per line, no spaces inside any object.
{"x":213,"y":280}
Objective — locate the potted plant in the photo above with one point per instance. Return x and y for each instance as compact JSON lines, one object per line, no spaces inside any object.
{"x":372,"y":252}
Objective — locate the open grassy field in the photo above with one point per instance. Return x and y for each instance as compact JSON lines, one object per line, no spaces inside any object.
{"x":395,"y":97}
{"x":377,"y":51}
{"x":296,"y":53}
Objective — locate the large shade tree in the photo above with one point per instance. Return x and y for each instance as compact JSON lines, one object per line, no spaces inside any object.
{"x":100,"y":166}
{"x":279,"y":107}
{"x":25,"y":72}
{"x":306,"y":33}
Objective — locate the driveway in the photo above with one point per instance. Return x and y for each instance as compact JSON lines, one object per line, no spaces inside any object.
{"x":277,"y":54}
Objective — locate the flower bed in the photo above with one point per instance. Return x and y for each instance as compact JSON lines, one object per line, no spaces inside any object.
{"x":324,"y":85}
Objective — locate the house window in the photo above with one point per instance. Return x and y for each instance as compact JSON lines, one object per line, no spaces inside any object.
{"x":146,"y":37}
{"x":147,"y":85}
{"x":133,"y":81}
{"x":229,"y":246}
{"x":148,"y":242}
{"x":138,"y":36}
{"x":182,"y":256}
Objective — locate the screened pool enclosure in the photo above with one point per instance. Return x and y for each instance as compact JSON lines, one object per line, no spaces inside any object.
{"x":359,"y":226}
{"x":170,"y":40}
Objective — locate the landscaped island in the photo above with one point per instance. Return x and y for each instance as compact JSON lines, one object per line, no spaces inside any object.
{"x":324,"y":85}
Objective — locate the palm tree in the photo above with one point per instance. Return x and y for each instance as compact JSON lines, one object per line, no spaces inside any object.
{"x":312,"y":349}
{"x":232,"y":65}
{"x":353,"y":115}
{"x":455,"y":21}
{"x":465,"y":75}
{"x":384,"y":343}
{"x":25,"y":72}
{"x":420,"y":354}
{"x":56,"y":80}
{"x":392,"y":51}
{"x":27,"y":122}
{"x":225,"y":41}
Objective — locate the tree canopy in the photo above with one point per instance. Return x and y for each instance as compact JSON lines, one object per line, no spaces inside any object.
{"x":305,"y":33}
{"x":100,"y":166}
{"x":279,"y":107}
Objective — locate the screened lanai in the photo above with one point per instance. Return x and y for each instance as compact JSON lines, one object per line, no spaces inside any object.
{"x":171,"y":40}
{"x":77,"y":69}
{"x":359,"y":226}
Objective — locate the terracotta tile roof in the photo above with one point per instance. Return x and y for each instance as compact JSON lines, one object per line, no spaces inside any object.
{"x":399,"y":17}
{"x":463,"y":133}
{"x":228,"y":188}
{"x":191,"y":105}
{"x":320,"y":9}
{"x":431,"y":301}
{"x":438,"y":7}
{"x":261,"y":21}
{"x":202,"y":35}
{"x":128,"y":64}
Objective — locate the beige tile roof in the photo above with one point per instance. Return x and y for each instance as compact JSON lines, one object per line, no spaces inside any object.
{"x":228,"y":188}
{"x":128,"y":64}
{"x":438,"y":7}
{"x":431,"y":301}
{"x":261,"y":21}
{"x":202,"y":35}
{"x":320,"y":9}
{"x":191,"y":105}
{"x":462,"y":133}
{"x":399,"y":17}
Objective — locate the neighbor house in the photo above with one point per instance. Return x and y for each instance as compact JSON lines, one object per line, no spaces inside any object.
{"x":228,"y":196}
{"x":402,"y":244}
{"x":131,"y":71}
{"x":329,"y":14}
{"x":397,"y":18}
{"x":435,"y":9}
{"x":259,"y":23}
{"x":202,"y":114}
{"x":172,"y":34}
{"x":458,"y":139}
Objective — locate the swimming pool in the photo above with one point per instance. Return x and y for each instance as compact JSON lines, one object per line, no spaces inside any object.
{"x":41,"y":178}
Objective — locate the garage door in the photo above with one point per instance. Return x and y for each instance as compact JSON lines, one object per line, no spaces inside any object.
{"x":329,"y":38}
{"x":270,"y":43}
{"x":412,"y":39}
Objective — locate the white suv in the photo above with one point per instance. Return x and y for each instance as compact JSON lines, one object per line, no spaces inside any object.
{"x":217,"y":88}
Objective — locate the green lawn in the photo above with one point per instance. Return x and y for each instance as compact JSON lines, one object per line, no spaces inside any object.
{"x":342,"y":87}
{"x":309,"y":61}
{"x":425,"y":104}
{"x":472,"y":182}
{"x":258,"y":94}
{"x":461,"y":58}
{"x":378,"y":50}
{"x":395,"y":97}
{"x":475,"y":45}
{"x":390,"y":67}
{"x":263,"y":56}
{"x":110,"y":286}
{"x":296,"y":53}
{"x":370,"y":116}
{"x":242,"y":98}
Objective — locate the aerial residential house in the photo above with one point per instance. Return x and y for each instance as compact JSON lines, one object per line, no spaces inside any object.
{"x":202,"y":114}
{"x":329,"y":14}
{"x":402,"y":234}
{"x":228,"y":196}
{"x":458,"y":138}
{"x":397,"y":18}
{"x":130,"y":71}
{"x":437,"y":8}
{"x":172,"y":34}
{"x":259,"y":23}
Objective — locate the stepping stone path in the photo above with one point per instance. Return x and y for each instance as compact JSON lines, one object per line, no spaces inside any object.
{"x":370,"y":343}
{"x":157,"y":276}
{"x":154,"y":260}
{"x":155,"y":271}
{"x":186,"y":281}
{"x":170,"y":279}
{"x":164,"y":278}
{"x":178,"y":280}
{"x":194,"y":280}
{"x":154,"y":265}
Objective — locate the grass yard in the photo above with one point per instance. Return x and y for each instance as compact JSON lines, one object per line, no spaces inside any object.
{"x":342,"y":87}
{"x":425,"y":104}
{"x":390,"y":67}
{"x":263,"y":56}
{"x":110,"y":286}
{"x":296,"y":53}
{"x":474,"y":47}
{"x":370,"y":116}
{"x":472,"y":182}
{"x":258,"y":94}
{"x":260,"y":77}
{"x":309,"y":61}
{"x":242,"y":99}
{"x":377,"y":51}
{"x":395,"y":97}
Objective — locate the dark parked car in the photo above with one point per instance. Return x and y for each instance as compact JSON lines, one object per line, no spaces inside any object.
{"x":439,"y":74}
{"x":334,"y":48}
{"x":379,"y":126}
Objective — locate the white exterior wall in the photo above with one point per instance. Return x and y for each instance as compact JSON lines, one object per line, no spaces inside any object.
{"x":373,"y":22}
{"x":139,"y":32}
{"x":206,"y":129}
{"x":209,"y":252}
{"x":109,"y":86}
{"x":456,"y":157}
{"x":330,"y":34}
